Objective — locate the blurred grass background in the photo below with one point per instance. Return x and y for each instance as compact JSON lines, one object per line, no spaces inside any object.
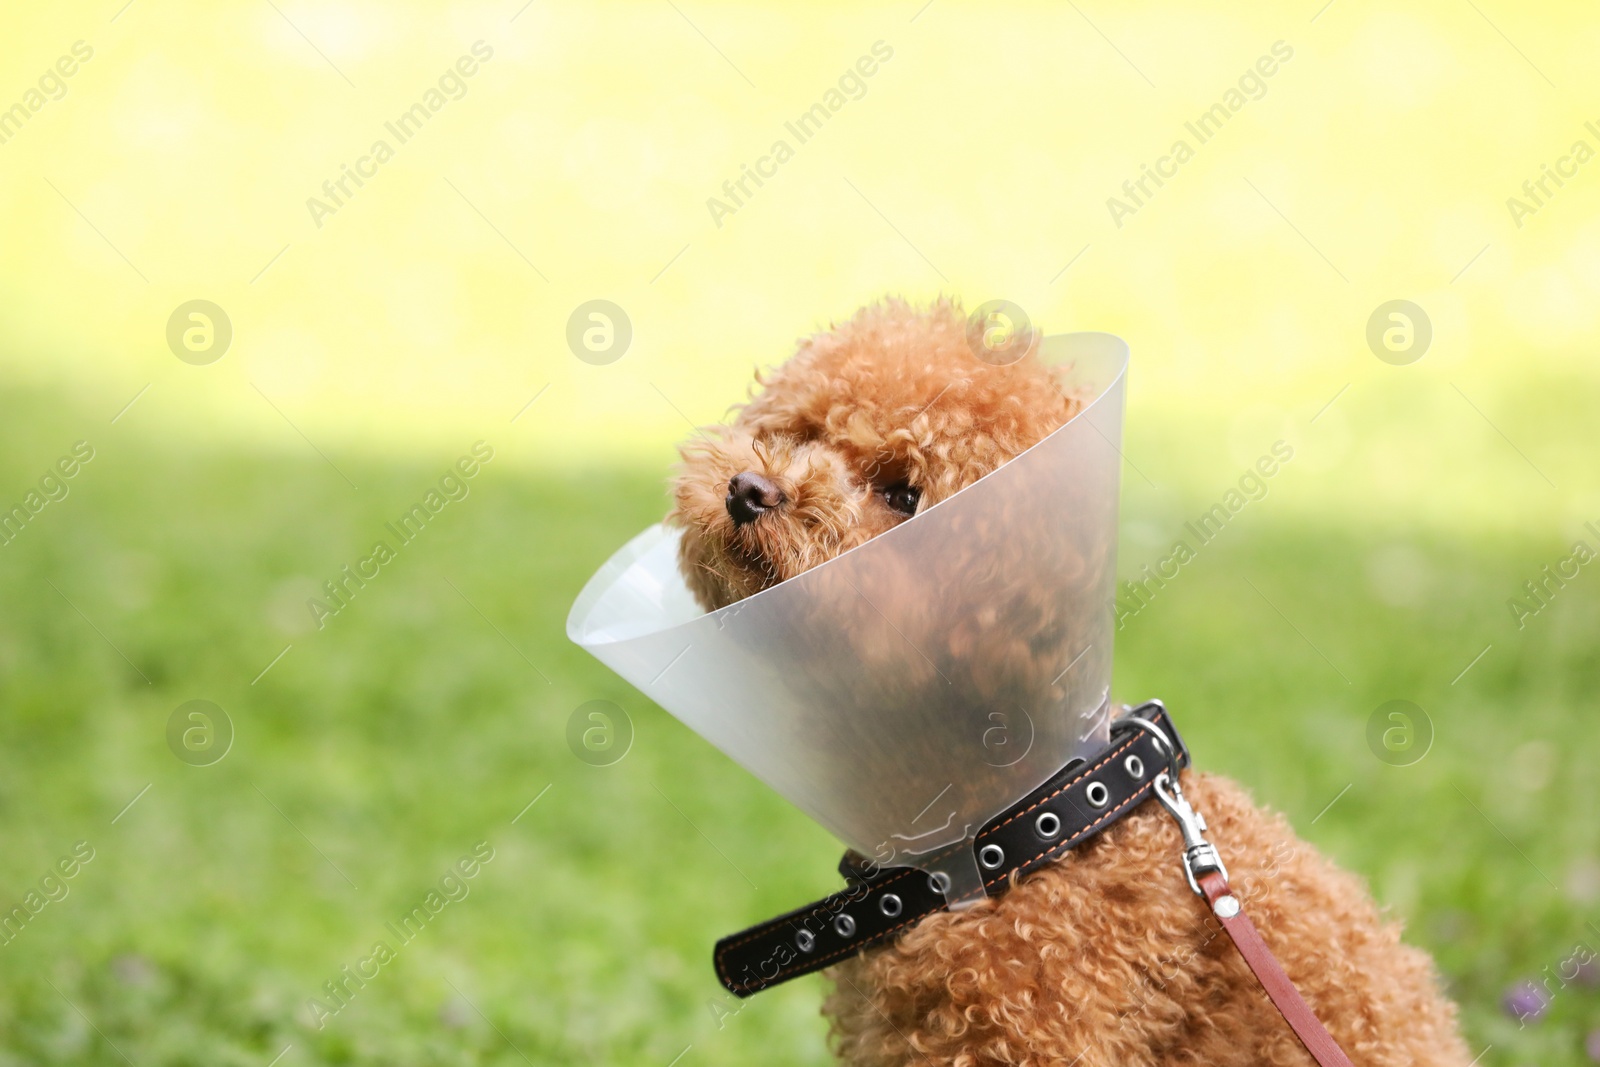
{"x":371,"y":351}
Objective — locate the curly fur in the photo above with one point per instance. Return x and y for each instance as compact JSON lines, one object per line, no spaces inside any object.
{"x":894,"y":395}
{"x":1104,"y":957}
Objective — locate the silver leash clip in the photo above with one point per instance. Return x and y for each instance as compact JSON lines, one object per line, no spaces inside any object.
{"x":1199,"y":855}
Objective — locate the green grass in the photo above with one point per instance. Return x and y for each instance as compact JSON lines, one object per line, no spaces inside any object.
{"x":432,"y":710}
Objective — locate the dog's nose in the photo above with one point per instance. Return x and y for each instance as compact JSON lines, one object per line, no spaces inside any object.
{"x":750,"y":494}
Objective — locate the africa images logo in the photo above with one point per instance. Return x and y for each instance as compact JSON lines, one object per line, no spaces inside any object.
{"x":451,"y":85}
{"x":852,"y":85}
{"x":1252,"y":85}
{"x":52,"y":85}
{"x":452,"y":487}
{"x":1538,"y":191}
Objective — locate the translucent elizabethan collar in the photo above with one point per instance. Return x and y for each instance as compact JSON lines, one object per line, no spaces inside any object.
{"x":907,"y":691}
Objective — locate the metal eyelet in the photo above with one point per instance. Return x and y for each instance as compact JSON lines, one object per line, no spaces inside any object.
{"x":1134,"y":766}
{"x":1047,"y":825}
{"x":939,"y":882}
{"x":805,"y":940}
{"x":889,"y":904}
{"x":991,"y":856}
{"x":1097,"y":795}
{"x":844,"y":925}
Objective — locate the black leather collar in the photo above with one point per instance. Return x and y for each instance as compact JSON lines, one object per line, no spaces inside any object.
{"x":877,"y":903}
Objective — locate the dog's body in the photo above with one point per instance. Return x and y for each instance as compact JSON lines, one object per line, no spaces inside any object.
{"x":1108,"y":955}
{"x":1105,"y":957}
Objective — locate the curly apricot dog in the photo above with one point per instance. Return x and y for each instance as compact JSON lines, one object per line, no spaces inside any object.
{"x":1104,"y":958}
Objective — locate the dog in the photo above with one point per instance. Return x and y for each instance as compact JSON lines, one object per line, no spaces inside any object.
{"x":1105,"y":957}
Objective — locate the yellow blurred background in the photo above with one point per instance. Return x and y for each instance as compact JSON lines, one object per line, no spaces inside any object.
{"x":578,"y":163}
{"x":154,"y":153}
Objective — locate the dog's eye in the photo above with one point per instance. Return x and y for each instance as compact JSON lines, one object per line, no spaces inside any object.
{"x":902,"y":498}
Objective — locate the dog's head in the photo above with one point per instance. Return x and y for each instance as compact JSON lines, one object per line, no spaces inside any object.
{"x":867,"y":424}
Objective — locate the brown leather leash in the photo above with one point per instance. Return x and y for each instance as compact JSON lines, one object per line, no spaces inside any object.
{"x":1301,"y":1019}
{"x":1209,"y":879}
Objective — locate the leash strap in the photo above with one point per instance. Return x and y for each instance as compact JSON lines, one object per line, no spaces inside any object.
{"x":1209,"y":879}
{"x":1301,"y":1019}
{"x":878,"y":902}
